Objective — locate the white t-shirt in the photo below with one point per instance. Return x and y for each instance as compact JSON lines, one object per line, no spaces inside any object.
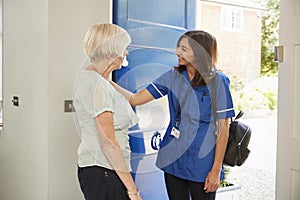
{"x":94,"y":95}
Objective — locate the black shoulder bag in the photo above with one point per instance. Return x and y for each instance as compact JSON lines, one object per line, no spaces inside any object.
{"x":239,"y":136}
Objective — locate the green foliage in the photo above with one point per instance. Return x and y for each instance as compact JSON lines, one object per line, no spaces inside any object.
{"x":272,"y":97}
{"x":270,"y":36}
{"x":260,"y":94}
{"x":225,"y":183}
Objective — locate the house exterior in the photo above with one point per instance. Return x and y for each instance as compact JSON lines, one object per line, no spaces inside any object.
{"x":236,"y":24}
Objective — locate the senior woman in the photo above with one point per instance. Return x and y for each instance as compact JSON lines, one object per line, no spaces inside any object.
{"x":104,"y":117}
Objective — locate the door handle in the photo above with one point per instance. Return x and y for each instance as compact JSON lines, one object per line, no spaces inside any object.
{"x":278,"y":53}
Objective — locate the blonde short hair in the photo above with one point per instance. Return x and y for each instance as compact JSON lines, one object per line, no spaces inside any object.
{"x":105,"y":40}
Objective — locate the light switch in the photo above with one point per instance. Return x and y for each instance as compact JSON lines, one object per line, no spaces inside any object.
{"x":15,"y":101}
{"x":69,"y":106}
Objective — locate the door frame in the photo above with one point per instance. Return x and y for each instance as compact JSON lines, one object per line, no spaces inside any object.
{"x":288,"y":133}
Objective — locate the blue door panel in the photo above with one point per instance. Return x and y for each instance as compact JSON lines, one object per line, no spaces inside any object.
{"x":174,"y":15}
{"x":154,"y":27}
{"x":160,"y":38}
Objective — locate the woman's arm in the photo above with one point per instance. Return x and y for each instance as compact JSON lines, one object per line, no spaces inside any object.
{"x":113,"y":153}
{"x":135,"y":99}
{"x":212,"y":181}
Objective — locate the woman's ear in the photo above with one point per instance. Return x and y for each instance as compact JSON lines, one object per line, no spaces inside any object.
{"x":110,"y":58}
{"x":112,"y":55}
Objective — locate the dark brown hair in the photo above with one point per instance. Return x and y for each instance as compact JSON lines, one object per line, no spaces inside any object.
{"x":204,"y":46}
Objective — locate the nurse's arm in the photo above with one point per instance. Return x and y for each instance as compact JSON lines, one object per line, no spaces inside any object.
{"x":213,"y":178}
{"x":142,"y":97}
{"x":221,"y":144}
{"x":135,"y":99}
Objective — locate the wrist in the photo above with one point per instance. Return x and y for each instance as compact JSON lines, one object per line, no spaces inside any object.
{"x":217,"y":168}
{"x":135,"y":192}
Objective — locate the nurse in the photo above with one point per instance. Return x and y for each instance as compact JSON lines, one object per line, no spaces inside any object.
{"x":192,"y":150}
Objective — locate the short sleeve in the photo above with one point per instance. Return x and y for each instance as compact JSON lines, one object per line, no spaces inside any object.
{"x":159,"y":87}
{"x":102,"y":97}
{"x":224,"y":101}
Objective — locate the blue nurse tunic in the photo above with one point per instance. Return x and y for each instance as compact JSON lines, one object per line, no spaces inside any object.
{"x":187,"y":149}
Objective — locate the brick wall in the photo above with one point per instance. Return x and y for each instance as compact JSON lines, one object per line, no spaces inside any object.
{"x":239,"y":52}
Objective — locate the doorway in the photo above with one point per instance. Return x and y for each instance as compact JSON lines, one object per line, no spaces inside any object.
{"x":245,"y":45}
{"x":237,"y":27}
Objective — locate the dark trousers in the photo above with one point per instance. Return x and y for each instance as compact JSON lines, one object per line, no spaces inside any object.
{"x":180,"y":189}
{"x":98,"y":183}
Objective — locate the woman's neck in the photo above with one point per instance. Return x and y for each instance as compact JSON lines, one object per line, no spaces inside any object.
{"x":191,"y":71}
{"x":101,"y":68}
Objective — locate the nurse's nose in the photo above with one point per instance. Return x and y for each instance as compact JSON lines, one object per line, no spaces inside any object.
{"x":178,"y":52}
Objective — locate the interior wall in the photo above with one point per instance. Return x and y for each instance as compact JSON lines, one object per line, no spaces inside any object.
{"x":23,"y":141}
{"x":42,"y":50}
{"x":68,"y":22}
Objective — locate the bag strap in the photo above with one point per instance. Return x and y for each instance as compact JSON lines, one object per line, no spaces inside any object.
{"x":214,"y":102}
{"x":241,"y":113}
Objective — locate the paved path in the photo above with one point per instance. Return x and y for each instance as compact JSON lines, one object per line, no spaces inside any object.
{"x":257,"y":176}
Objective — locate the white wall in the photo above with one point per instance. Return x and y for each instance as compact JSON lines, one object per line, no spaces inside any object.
{"x":42,"y":51}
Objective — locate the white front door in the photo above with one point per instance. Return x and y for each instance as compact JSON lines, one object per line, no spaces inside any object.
{"x":288,"y":149}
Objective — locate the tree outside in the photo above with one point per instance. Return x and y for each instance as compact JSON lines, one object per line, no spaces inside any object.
{"x":259,"y":97}
{"x":259,"y":101}
{"x":270,"y":36}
